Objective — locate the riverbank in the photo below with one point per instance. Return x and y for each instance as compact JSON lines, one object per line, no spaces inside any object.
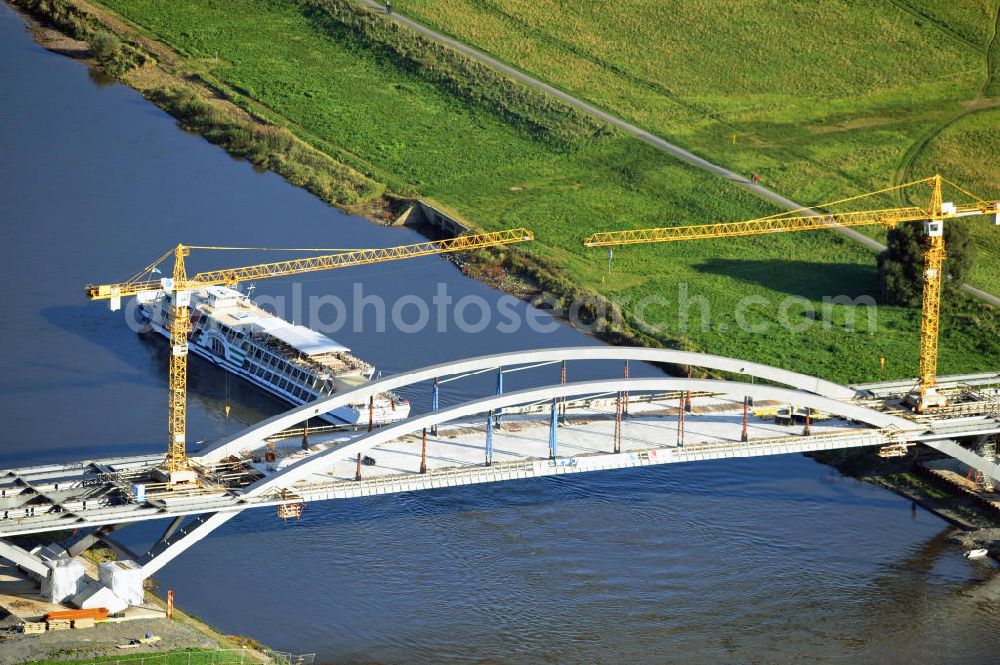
{"x":977,"y":522}
{"x":183,"y":634}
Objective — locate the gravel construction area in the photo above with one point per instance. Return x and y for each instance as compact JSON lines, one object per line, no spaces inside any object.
{"x":101,"y":640}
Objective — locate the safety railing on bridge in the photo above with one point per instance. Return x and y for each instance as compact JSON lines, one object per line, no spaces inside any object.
{"x":392,"y":483}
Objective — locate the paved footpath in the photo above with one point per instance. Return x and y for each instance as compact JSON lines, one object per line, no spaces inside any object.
{"x":642,"y":134}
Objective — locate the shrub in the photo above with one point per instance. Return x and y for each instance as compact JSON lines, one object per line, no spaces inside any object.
{"x":105,"y":45}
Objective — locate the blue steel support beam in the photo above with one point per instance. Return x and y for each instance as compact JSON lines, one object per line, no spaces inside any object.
{"x":553,"y":429}
{"x":499,"y":412}
{"x":435,"y":401}
{"x":489,"y":438}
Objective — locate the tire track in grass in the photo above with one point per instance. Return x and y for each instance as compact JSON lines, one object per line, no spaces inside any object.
{"x":942,"y":27}
{"x":992,"y":86}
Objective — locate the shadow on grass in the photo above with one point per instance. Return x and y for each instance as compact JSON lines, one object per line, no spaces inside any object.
{"x":801,"y":278}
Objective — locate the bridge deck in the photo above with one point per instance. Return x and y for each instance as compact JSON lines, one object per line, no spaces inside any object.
{"x":102,"y":492}
{"x":52,"y":497}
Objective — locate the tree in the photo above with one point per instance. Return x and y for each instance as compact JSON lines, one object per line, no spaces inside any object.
{"x":900,"y":265}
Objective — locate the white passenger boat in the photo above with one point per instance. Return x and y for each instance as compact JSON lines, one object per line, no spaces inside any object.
{"x":290,"y":361}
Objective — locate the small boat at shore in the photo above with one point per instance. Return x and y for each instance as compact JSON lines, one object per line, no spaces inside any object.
{"x":979,"y":553}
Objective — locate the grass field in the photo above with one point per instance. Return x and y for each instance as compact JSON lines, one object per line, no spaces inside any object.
{"x":825,"y":98}
{"x":339,"y":88}
{"x":175,"y":657}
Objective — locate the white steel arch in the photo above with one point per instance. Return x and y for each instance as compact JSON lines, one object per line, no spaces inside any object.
{"x":253,"y":436}
{"x":319,"y":461}
{"x":158,"y":558}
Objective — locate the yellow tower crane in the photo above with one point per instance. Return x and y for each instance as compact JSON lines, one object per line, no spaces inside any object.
{"x":933,"y":216}
{"x":176,"y":468}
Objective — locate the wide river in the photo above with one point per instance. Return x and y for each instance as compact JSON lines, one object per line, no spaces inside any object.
{"x":775,"y":560}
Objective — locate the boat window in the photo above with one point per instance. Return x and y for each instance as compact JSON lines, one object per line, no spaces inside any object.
{"x":268,"y":376}
{"x":283,"y":384}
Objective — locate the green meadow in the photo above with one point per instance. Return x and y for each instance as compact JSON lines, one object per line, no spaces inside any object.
{"x":825,"y":98}
{"x":350,"y":83}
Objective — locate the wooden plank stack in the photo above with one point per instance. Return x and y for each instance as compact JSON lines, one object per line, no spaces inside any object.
{"x":33,"y":627}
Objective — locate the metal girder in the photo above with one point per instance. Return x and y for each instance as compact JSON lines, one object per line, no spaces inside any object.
{"x":954,"y":449}
{"x":163,"y":552}
{"x":84,"y":540}
{"x":23,"y":558}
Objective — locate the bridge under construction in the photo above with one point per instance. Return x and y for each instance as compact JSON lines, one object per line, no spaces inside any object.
{"x":745,"y":410}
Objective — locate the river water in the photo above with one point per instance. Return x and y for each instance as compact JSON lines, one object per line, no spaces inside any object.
{"x":773,"y":560}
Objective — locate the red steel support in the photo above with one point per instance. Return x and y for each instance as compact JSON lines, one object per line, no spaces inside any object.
{"x":687,"y":402}
{"x":562,"y":401}
{"x":618,"y":424}
{"x":625,"y":407}
{"x":680,"y":422}
{"x":371,"y":413}
{"x":746,"y":412}
{"x":357,"y":474}
{"x":423,"y":453}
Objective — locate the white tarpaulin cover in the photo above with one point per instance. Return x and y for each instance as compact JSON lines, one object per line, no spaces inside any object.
{"x":96,"y":595}
{"x":124,"y":578}
{"x":306,"y":341}
{"x":65,"y":580}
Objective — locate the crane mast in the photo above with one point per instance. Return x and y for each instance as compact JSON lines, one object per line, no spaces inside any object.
{"x":926,"y":396}
{"x":176,"y":468}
